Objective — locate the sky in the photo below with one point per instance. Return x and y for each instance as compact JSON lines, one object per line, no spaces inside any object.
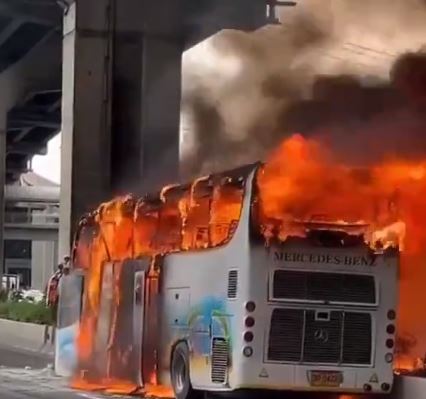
{"x":49,"y":166}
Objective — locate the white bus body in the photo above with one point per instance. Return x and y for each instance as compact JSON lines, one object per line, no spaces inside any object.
{"x":323,"y":317}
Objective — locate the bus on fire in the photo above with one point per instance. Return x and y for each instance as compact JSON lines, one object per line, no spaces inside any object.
{"x":186,"y":291}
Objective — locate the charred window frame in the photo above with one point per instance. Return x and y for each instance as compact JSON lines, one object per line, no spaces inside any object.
{"x":170,"y":221}
{"x":199,"y":215}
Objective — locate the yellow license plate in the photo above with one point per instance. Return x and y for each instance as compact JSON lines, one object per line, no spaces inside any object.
{"x":329,"y":379}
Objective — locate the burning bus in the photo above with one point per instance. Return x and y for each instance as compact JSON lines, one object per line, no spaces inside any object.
{"x":202,"y":287}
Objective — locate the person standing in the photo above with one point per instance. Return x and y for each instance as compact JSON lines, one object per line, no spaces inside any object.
{"x":52,"y":291}
{"x":52,"y":294}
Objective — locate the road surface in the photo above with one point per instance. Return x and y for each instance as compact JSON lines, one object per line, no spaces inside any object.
{"x":26,"y":375}
{"x":20,"y":359}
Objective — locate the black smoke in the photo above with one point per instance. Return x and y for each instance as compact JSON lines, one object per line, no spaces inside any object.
{"x":284,"y":86}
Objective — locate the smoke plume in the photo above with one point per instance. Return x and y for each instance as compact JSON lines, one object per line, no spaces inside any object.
{"x":340,"y":70}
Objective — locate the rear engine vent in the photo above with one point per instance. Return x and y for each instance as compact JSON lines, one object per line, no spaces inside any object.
{"x":219,"y":360}
{"x":232,"y":284}
{"x":300,"y":335}
{"x":327,"y":287}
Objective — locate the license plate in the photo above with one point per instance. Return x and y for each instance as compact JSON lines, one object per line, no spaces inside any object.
{"x":330,"y":379}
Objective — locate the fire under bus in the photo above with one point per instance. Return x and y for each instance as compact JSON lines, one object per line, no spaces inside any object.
{"x":215,"y":306}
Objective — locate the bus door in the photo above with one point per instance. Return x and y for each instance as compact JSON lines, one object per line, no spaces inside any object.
{"x":125,"y":349}
{"x":145,"y":321}
{"x":138,"y":319}
{"x":118,"y":348}
{"x":104,"y":321}
{"x":132,"y":316}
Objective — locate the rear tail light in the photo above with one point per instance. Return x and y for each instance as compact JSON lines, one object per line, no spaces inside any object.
{"x":248,"y":336}
{"x":390,"y":329}
{"x":389,"y":357}
{"x":249,"y":322}
{"x":391,"y":315}
{"x":250,"y":306}
{"x":390,"y":343}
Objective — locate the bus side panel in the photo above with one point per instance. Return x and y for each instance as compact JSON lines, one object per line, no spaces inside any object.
{"x":206,"y":316}
{"x":195,"y":309}
{"x":389,"y":298}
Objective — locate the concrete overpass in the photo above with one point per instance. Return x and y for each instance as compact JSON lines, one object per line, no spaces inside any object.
{"x":30,"y":76}
{"x":32,"y":228}
{"x":30,"y":82}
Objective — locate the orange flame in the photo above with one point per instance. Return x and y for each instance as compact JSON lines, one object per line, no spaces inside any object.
{"x":302,"y":179}
{"x":179,"y":218}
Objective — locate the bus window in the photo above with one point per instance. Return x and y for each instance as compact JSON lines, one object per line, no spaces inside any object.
{"x":146,"y":225}
{"x":196,"y":233}
{"x":226,"y":209}
{"x":169,"y":235}
{"x":88,"y":230}
{"x":124,"y":229}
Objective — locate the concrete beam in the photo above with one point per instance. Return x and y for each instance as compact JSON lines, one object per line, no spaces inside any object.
{"x":31,"y":12}
{"x":204,"y":18}
{"x":2,"y":185}
{"x":22,"y":119}
{"x":39,"y":70}
{"x":17,"y":166}
{"x":32,"y":194}
{"x":10,"y":29}
{"x":26,"y":149}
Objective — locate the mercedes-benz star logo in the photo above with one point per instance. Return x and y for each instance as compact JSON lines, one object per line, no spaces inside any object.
{"x":321,"y":336}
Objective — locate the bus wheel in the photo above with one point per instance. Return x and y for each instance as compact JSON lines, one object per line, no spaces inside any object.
{"x":180,"y":374}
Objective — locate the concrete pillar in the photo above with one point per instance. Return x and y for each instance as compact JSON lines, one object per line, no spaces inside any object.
{"x":85,"y":150}
{"x":121,"y":102}
{"x":146,"y":104}
{"x":3,"y":142}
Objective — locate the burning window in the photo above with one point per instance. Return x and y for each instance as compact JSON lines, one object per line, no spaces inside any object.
{"x":87,"y":231}
{"x":146,"y":222}
{"x":196,"y":230}
{"x":226,"y":208}
{"x":169,"y":232}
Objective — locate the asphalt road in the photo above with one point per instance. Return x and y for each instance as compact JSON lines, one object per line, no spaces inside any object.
{"x":26,"y":375}
{"x":20,"y":359}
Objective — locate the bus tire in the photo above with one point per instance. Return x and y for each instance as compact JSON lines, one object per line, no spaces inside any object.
{"x":179,"y":373}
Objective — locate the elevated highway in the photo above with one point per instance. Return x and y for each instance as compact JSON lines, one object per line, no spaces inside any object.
{"x":30,"y":79}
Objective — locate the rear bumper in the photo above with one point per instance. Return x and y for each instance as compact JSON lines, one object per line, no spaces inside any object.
{"x":298,"y":378}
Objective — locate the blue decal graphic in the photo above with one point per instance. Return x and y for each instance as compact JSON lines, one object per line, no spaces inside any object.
{"x":207,"y":318}
{"x":66,"y":346}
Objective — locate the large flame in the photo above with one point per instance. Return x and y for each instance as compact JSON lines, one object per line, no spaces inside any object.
{"x":304,"y":181}
{"x":180,"y":218}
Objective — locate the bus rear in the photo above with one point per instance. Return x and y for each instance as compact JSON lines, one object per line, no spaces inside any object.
{"x":318,"y":315}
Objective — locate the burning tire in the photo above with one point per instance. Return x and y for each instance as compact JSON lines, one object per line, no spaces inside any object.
{"x":180,"y":374}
